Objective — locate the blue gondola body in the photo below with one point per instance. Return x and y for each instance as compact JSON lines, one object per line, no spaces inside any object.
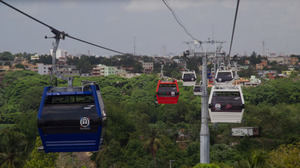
{"x":71,"y":127}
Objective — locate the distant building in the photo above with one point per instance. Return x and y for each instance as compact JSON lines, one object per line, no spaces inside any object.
{"x":62,"y":61}
{"x":35,"y":57}
{"x":44,"y":69}
{"x":148,"y":67}
{"x":98,"y":70}
{"x":4,"y":68}
{"x":18,"y":60}
{"x":291,"y":68}
{"x":32,"y":67}
{"x":245,"y":67}
{"x":28,"y":66}
{"x":271,"y":74}
{"x":282,"y":76}
{"x":121,"y":72}
{"x":67,"y":70}
{"x":264,"y":62}
{"x":253,"y":81}
{"x":61,"y":70}
{"x":62,"y":56}
{"x":247,"y":62}
{"x":259,"y":67}
{"x":279,"y":59}
{"x":59,"y":53}
{"x":287,"y":73}
{"x":109,"y":70}
{"x":103,"y":70}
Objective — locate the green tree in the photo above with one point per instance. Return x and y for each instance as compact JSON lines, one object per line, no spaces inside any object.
{"x":246,"y":73}
{"x":111,"y":156}
{"x":20,"y":66}
{"x":254,"y":59}
{"x":12,"y":149}
{"x":40,"y":159}
{"x":221,"y":153}
{"x":140,"y":133}
{"x":45,"y":59}
{"x":84,"y":65}
{"x":286,"y":156}
{"x":257,"y":159}
{"x":206,"y":166}
{"x":6,"y":56}
{"x":153,"y":143}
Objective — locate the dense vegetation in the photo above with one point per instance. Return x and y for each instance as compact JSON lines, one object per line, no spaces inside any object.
{"x":141,"y":133}
{"x":19,"y":94}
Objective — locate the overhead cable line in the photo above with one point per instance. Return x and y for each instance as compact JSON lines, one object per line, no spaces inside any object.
{"x":234,"y":23}
{"x":59,"y":33}
{"x":178,"y":20}
{"x":93,"y":44}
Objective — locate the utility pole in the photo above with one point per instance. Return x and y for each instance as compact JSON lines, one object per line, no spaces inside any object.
{"x":55,"y":46}
{"x":57,"y":36}
{"x":263,"y":49}
{"x":204,"y":132}
{"x":134,"y":45}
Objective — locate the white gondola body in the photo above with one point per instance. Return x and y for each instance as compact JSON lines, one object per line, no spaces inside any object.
{"x":189,"y":78}
{"x":226,"y":109}
{"x":224,"y":76}
{"x":197,"y":90}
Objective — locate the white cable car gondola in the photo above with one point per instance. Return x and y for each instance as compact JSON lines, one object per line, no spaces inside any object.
{"x":189,"y":78}
{"x":198,"y":90}
{"x":223,"y":76}
{"x":226,"y":104}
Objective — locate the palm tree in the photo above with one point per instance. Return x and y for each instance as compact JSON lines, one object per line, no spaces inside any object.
{"x":153,"y":143}
{"x":13,"y":147}
{"x":257,"y":159}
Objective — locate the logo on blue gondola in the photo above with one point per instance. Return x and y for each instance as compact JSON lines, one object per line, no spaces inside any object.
{"x":84,"y":123}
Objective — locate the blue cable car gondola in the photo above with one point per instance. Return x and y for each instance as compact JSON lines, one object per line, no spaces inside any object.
{"x":70,"y":119}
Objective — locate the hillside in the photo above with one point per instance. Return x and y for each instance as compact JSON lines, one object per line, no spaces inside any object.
{"x":141,"y":133}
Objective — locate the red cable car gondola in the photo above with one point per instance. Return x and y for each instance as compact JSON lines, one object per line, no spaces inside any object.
{"x":167,"y":92}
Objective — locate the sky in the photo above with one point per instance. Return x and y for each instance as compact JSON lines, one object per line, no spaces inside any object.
{"x":116,"y":23}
